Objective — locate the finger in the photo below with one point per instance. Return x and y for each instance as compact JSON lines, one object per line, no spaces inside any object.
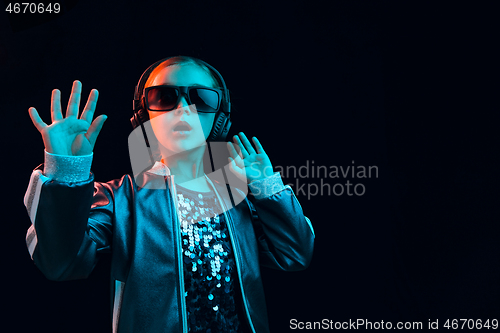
{"x":74,"y":99}
{"x":35,"y":118}
{"x":235,"y":168}
{"x":95,"y":129}
{"x":232,"y":151}
{"x":246,"y":143}
{"x":259,"y":147}
{"x":235,"y":156}
{"x":243,"y":151}
{"x":232,"y":165}
{"x":55,"y":105}
{"x":89,"y":109}
{"x":239,"y":161}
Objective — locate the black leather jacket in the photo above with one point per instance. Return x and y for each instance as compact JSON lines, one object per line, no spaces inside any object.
{"x":74,"y":223}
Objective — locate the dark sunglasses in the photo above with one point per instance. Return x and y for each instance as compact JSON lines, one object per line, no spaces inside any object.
{"x":166,"y":98}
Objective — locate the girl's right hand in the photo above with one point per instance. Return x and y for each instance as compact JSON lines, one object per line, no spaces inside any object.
{"x":71,"y":135}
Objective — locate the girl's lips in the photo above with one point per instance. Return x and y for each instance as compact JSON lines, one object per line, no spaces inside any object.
{"x":181,"y":133}
{"x":182,"y":126}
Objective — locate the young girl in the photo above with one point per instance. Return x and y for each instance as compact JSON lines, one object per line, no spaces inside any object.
{"x":183,"y":259}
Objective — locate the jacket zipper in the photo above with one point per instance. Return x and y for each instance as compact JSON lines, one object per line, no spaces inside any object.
{"x":178,"y":237}
{"x":229,"y":223}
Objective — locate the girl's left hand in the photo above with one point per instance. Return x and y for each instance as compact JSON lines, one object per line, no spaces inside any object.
{"x":249,"y":164}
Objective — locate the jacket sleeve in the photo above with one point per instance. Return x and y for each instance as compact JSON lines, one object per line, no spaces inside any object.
{"x":285,"y":236}
{"x":71,"y":224}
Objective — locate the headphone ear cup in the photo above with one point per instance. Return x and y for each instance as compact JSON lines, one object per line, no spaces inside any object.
{"x":220,"y":127}
{"x":143,"y":116}
{"x":134,"y":122}
{"x":225,"y":129}
{"x":140,"y":117}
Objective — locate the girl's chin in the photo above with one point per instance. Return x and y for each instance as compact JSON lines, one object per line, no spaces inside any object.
{"x":180,"y":146}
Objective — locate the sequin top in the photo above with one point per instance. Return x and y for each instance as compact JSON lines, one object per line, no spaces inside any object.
{"x":212,"y":298}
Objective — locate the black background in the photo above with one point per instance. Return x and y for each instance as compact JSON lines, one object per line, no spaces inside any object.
{"x":409,"y":88}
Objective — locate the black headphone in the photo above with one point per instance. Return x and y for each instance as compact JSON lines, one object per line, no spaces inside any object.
{"x":222,"y":121}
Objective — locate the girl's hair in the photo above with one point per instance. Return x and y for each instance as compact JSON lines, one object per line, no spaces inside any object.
{"x":180,"y":59}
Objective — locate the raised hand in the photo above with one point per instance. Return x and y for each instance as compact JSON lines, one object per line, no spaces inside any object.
{"x":70,"y":135}
{"x":247,"y":163}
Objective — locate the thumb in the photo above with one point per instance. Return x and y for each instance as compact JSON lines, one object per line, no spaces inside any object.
{"x":236,"y":170}
{"x":95,"y":129}
{"x":232,"y":165}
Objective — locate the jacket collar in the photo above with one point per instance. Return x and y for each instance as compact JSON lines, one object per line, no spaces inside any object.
{"x":159,"y":169}
{"x":162,"y":169}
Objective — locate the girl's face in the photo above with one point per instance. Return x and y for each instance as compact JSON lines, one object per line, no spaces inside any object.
{"x":170,"y":127}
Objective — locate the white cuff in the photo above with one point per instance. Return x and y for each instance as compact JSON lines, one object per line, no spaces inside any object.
{"x":266,"y":187}
{"x":64,"y":168}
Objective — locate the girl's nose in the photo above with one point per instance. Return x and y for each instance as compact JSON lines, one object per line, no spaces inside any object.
{"x":182,"y":106}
